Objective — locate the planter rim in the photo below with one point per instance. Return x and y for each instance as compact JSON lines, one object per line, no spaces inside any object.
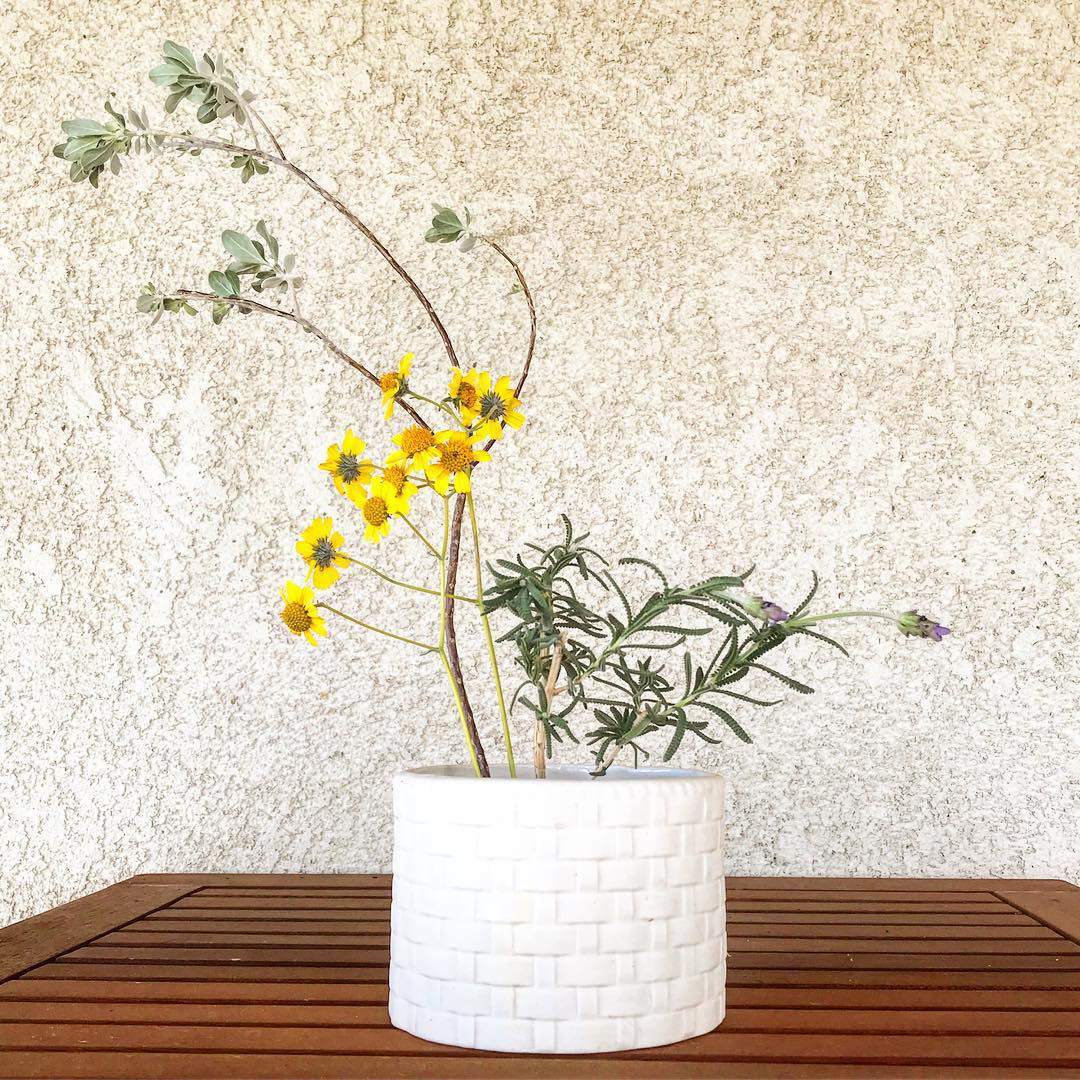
{"x":558,"y":775}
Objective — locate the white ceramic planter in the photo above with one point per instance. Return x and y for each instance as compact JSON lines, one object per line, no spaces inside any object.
{"x":567,"y":915}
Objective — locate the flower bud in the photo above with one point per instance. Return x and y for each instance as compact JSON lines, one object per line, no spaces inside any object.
{"x":766,"y":609}
{"x":912,"y":624}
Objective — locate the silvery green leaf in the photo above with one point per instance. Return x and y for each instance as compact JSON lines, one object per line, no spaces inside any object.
{"x":181,"y":55}
{"x":58,"y":149}
{"x":220,"y":283}
{"x":288,"y":264}
{"x":432,"y":236}
{"x":157,"y":315}
{"x":218,"y":312}
{"x":173,"y":100}
{"x":114,"y":165}
{"x":93,"y":177}
{"x":146,"y":303}
{"x":233,"y":280}
{"x":117,"y":116}
{"x":272,"y":282}
{"x":83,"y":127}
{"x":227,"y":109}
{"x":207,"y":113}
{"x":467,"y":242}
{"x":205,"y":66}
{"x":165,"y":74}
{"x":297,"y":283}
{"x":240,"y":247}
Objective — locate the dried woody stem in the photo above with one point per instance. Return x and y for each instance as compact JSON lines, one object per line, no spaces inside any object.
{"x":454,"y":548}
{"x":551,"y":691}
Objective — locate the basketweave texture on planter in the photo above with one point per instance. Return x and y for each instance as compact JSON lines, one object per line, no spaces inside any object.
{"x":565,"y":915}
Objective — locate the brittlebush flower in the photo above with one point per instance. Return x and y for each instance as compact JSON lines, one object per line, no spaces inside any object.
{"x":464,"y":394}
{"x":397,"y":477}
{"x":345,"y":464}
{"x":377,"y":507}
{"x":299,"y":613}
{"x":320,"y":547}
{"x":497,"y":406}
{"x":395,"y":383}
{"x":455,"y":456}
{"x":415,"y":444}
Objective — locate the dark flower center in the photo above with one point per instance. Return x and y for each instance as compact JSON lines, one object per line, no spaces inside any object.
{"x":348,"y":467}
{"x":492,"y":407}
{"x":324,"y":553}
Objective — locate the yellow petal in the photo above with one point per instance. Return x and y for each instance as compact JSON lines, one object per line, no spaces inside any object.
{"x":406,"y":363}
{"x":461,"y":482}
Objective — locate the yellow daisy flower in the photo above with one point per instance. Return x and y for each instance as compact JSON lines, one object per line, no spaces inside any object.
{"x":345,"y":465}
{"x":395,"y":383}
{"x":464,"y":395}
{"x":416,"y":443}
{"x":456,"y":455}
{"x":497,"y":406}
{"x":377,"y":507}
{"x":299,"y":614}
{"x":397,"y":477}
{"x":319,"y":546}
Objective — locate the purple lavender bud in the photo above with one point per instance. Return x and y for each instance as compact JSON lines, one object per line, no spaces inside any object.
{"x":766,"y":609}
{"x":912,"y":624}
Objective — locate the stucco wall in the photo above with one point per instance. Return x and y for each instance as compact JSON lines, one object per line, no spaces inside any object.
{"x":808,"y":285}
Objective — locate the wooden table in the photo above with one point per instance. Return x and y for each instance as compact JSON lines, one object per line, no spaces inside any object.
{"x":239,"y":976}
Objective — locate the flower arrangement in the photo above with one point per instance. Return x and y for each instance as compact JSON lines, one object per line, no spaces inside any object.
{"x":580,"y":643}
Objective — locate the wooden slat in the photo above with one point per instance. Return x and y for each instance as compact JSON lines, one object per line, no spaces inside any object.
{"x":737,"y":1021}
{"x":192,"y":940}
{"x":892,"y":943}
{"x":842,"y":907}
{"x":41,"y":937}
{"x":778,"y":976}
{"x":1059,"y":910}
{"x":809,"y":998}
{"x":284,"y":903}
{"x":297,"y":894}
{"x":35,"y":1065}
{"x":863,"y":917}
{"x":233,"y":991}
{"x":861,"y":885}
{"x":154,"y":925}
{"x":801,"y":1047}
{"x":243,"y":915}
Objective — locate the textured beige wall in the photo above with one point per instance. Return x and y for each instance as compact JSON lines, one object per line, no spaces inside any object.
{"x":808,"y":283}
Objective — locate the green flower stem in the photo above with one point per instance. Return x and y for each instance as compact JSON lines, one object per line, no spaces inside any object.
{"x":809,"y":620}
{"x":491,"y":641}
{"x":427,"y":543}
{"x":386,"y":633}
{"x":406,"y":584}
{"x":442,"y":638}
{"x":438,"y":405}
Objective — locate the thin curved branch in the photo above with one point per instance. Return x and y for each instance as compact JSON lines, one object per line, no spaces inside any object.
{"x":246,"y":304}
{"x":532,"y":313}
{"x":283,"y":163}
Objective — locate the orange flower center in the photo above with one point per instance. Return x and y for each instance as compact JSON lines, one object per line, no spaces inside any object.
{"x":395,"y":477}
{"x":375,"y":511}
{"x":416,"y":439}
{"x":296,"y":617}
{"x":467,"y":395}
{"x":455,"y":455}
{"x":390,"y":382}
